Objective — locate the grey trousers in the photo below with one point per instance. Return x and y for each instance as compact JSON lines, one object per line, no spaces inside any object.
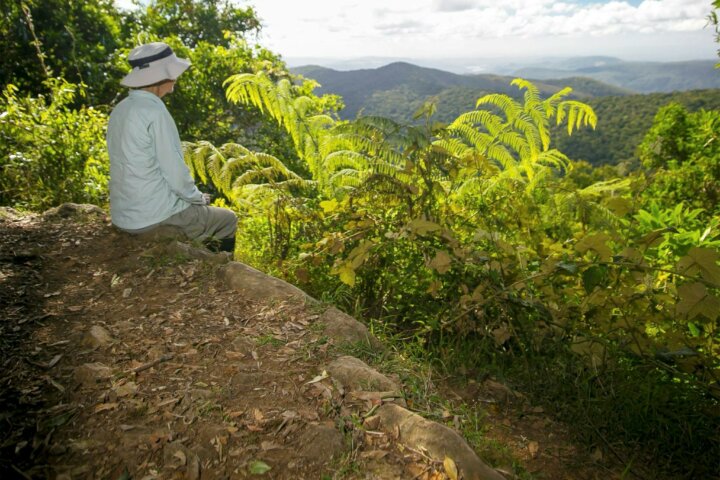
{"x":199,"y":222}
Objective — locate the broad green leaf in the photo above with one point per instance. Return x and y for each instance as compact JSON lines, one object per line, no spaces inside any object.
{"x":434,"y":287}
{"x":258,"y":467}
{"x":347,"y":275}
{"x":619,"y":205}
{"x":359,"y":254}
{"x":703,"y":261}
{"x":423,"y":227}
{"x":570,"y":268}
{"x":596,"y":243}
{"x":696,"y":300}
{"x":594,"y":277}
{"x":441,"y":262}
{"x":329,"y":206}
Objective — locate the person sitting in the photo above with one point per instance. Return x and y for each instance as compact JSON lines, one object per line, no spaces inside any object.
{"x":150,"y":184}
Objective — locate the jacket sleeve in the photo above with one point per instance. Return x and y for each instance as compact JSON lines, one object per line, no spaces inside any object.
{"x":170,"y":158}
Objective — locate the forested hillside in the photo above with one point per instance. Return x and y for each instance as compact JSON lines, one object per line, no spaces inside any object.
{"x":641,"y":77}
{"x":397,"y":90}
{"x":623,"y":122}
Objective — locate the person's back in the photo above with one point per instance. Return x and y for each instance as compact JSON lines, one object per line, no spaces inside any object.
{"x":140,"y":193}
{"x":150,"y":185}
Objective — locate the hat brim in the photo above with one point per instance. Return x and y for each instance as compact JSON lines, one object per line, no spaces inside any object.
{"x":169,"y":68}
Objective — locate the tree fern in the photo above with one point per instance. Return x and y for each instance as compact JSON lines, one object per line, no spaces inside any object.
{"x":240,"y":174}
{"x":519,"y":138}
{"x":294,"y":112}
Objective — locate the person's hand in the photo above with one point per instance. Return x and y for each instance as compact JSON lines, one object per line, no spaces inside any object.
{"x":207,"y":198}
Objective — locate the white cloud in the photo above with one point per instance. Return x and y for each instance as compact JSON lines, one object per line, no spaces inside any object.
{"x":453,"y":5}
{"x":425,"y":28}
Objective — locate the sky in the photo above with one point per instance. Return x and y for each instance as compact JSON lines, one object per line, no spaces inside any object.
{"x":479,"y":32}
{"x":658,"y":30}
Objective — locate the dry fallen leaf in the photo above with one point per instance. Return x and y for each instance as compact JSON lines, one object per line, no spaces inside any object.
{"x":450,"y":468}
{"x":374,"y":455}
{"x":180,"y":455}
{"x":54,"y":360}
{"x":258,"y":415}
{"x":533,"y":448}
{"x":126,"y":390}
{"x":105,"y":406}
{"x":318,"y":378}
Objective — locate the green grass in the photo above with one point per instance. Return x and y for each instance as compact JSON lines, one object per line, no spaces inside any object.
{"x":269,"y":339}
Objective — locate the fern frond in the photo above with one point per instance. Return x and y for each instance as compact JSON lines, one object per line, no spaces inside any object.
{"x":550,"y":104}
{"x":507,"y":104}
{"x":484,"y":118}
{"x":532,"y":94}
{"x":579,"y":114}
{"x":554,"y":158}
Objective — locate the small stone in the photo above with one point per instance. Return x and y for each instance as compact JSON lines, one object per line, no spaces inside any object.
{"x":355,"y":375}
{"x":126,"y":389}
{"x":437,"y":440}
{"x":97,"y":337}
{"x":92,"y":373}
{"x":242,"y":344}
{"x":319,"y":443}
{"x":341,"y":328}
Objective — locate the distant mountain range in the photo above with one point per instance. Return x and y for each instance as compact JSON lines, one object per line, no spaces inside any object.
{"x":621,"y":99}
{"x":641,"y":77}
{"x":397,"y":90}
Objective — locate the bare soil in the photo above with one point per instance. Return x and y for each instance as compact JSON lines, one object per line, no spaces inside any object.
{"x":194,"y":380}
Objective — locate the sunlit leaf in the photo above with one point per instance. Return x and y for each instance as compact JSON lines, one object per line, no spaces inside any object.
{"x":596,"y":243}
{"x":619,"y":205}
{"x":347,"y":275}
{"x":450,"y":468}
{"x":423,"y":227}
{"x":329,"y":206}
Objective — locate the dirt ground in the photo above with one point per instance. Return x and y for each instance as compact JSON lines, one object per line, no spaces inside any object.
{"x":118,"y":361}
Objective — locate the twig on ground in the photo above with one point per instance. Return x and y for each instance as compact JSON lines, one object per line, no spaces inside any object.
{"x":145,"y":366}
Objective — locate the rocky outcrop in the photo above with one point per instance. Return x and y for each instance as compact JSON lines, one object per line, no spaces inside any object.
{"x":255,"y":284}
{"x":437,"y":440}
{"x":355,"y":375}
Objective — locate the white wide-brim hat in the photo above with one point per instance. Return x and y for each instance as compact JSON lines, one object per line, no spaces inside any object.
{"x":153,"y":63}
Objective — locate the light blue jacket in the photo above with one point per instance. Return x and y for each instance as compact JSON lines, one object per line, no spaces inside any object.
{"x":149,"y":180}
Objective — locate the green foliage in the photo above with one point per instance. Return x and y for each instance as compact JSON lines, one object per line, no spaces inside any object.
{"x":194,"y":21}
{"x":467,"y":232}
{"x":682,"y":153}
{"x":55,"y":38}
{"x":713,"y":18}
{"x":51,"y":153}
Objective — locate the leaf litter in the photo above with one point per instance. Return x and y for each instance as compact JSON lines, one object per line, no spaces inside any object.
{"x":174,"y":394}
